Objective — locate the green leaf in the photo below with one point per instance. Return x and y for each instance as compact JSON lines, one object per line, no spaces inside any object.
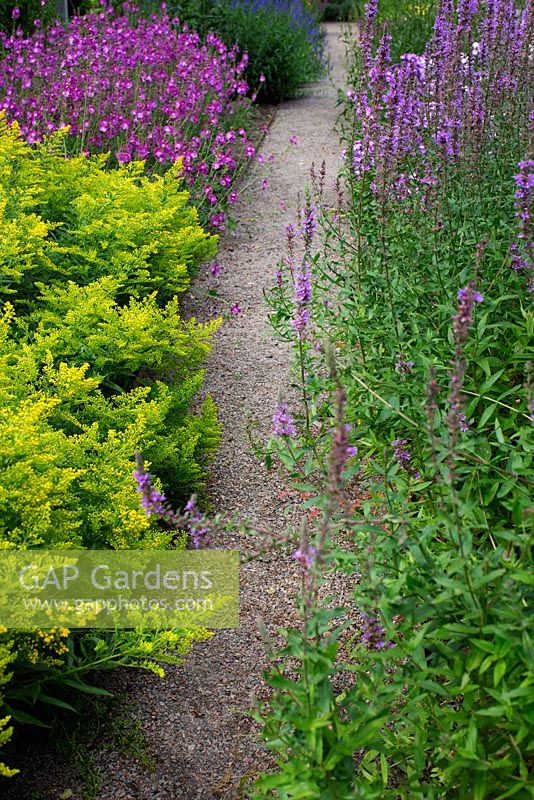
{"x":54,"y":701}
{"x":492,"y":711}
{"x":26,"y":719}
{"x":480,"y":784}
{"x":499,"y":671}
{"x":85,"y":688}
{"x":384,"y":769}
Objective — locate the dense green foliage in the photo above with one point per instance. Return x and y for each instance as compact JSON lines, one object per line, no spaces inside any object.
{"x":410,"y":22}
{"x":286,"y":52}
{"x":340,"y":11}
{"x":282,"y":39}
{"x":25,"y":14}
{"x":420,"y":283}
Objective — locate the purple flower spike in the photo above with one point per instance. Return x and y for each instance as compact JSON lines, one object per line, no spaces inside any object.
{"x":403,"y":457}
{"x":462,"y":321}
{"x":373,"y":635}
{"x":303,"y":288}
{"x":523,"y":249}
{"x":306,"y":556}
{"x":283,"y":423}
{"x":303,"y":297}
{"x":309,"y":224}
{"x":402,"y":366}
{"x":151,"y":500}
{"x":199,"y":534}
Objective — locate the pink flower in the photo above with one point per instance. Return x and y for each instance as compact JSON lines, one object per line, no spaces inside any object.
{"x":294,"y":139}
{"x":235,"y":309}
{"x":305,"y":555}
{"x":215,"y":268}
{"x":139,"y":89}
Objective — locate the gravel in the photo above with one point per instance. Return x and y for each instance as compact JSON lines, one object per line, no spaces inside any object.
{"x":195,"y":721}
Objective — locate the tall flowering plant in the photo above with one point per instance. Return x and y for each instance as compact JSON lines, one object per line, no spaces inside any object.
{"x":421,"y":284}
{"x":138,"y":88}
{"x":414,"y":122}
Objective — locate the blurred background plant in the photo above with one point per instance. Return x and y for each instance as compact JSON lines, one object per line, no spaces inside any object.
{"x":26,"y":15}
{"x":282,"y":39}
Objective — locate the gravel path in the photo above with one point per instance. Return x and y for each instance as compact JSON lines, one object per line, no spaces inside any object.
{"x":203,"y":743}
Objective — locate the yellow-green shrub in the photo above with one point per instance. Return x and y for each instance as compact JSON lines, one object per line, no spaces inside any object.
{"x":69,"y":433}
{"x":95,"y":364}
{"x":98,"y":362}
{"x":74,"y":219}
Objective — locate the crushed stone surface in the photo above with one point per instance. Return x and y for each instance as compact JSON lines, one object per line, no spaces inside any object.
{"x":195,"y":721}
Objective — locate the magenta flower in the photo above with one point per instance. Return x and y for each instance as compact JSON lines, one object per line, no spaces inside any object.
{"x":306,"y":556}
{"x":283,"y":423}
{"x":139,"y":88}
{"x":303,"y":297}
{"x":235,"y":309}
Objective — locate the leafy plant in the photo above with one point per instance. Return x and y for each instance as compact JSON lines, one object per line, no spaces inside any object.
{"x":421,"y":281}
{"x":95,"y":364}
{"x":72,"y":219}
{"x":26,"y":15}
{"x":281,"y":41}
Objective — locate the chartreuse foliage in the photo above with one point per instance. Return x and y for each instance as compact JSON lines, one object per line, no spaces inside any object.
{"x":69,"y":430}
{"x":95,"y":364}
{"x":73,"y":219}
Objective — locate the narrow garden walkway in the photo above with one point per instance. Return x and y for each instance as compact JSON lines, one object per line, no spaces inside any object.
{"x":195,"y":721}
